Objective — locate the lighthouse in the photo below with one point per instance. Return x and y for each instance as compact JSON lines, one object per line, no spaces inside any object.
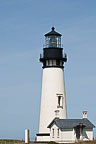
{"x":53,"y":98}
{"x":54,"y":125}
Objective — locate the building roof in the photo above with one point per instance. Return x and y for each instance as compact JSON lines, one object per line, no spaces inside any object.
{"x":53,"y":32}
{"x":70,"y":123}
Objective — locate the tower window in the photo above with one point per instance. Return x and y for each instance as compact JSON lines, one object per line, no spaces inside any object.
{"x":59,"y":100}
{"x":54,"y":62}
{"x":52,"y":41}
{"x":58,"y":62}
{"x":46,"y":62}
{"x":51,"y":62}
{"x":61,"y":63}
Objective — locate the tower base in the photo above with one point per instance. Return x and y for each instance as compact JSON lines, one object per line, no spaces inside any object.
{"x":42,"y":137}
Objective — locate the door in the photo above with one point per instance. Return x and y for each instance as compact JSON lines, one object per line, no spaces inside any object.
{"x":78,"y":133}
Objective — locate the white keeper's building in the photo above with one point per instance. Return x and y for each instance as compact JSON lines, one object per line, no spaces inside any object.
{"x":54,"y":125}
{"x":71,"y":130}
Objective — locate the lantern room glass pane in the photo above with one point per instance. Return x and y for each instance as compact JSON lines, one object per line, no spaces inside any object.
{"x":53,"y":41}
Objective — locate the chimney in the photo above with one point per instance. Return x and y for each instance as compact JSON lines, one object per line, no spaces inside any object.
{"x":56,"y":113}
{"x":26,"y":136}
{"x":84,"y":114}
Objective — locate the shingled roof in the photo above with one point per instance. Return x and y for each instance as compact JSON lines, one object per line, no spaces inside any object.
{"x":70,"y":123}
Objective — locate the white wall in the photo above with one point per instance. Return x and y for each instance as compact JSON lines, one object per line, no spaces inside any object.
{"x":67,"y":135}
{"x":52,"y":84}
{"x":88,"y":134}
{"x":55,"y":138}
{"x":42,"y":138}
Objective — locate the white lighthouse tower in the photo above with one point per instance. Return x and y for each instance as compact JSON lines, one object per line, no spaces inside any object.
{"x":53,"y":99}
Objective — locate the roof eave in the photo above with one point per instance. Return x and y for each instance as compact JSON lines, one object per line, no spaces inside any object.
{"x":53,"y":121}
{"x":50,"y":34}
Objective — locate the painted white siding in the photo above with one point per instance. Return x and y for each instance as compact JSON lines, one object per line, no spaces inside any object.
{"x":55,"y":138}
{"x":88,"y":134}
{"x":68,"y":135}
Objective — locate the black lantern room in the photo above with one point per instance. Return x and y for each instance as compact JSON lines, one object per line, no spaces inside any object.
{"x":53,"y":52}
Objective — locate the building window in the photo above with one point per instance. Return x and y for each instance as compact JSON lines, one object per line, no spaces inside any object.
{"x":53,"y":133}
{"x":58,"y":133}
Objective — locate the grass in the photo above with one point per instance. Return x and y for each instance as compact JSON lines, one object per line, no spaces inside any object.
{"x":82,"y":142}
{"x":87,"y":142}
{"x":10,"y":141}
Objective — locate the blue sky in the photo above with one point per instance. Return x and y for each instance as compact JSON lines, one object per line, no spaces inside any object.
{"x":23,"y":24}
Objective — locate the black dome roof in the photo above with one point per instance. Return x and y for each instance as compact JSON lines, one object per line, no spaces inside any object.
{"x":53,"y":33}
